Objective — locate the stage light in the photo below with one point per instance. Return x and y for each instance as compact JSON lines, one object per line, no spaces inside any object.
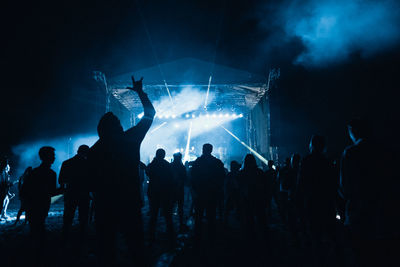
{"x":176,"y":125}
{"x":207,"y":115}
{"x":193,"y":116}
{"x":241,"y":116}
{"x":173,"y":116}
{"x":214,"y":115}
{"x":167,"y":116}
{"x":187,"y":116}
{"x":221,"y":115}
{"x":192,"y":147}
{"x":160,"y":116}
{"x":234,"y":115}
{"x":227,"y":115}
{"x":140,"y":115}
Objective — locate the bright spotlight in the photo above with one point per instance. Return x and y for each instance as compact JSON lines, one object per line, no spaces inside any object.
{"x":160,"y":116}
{"x":173,"y":116}
{"x":167,"y":116}
{"x":241,"y":116}
{"x":234,"y":115}
{"x":187,"y":116}
{"x":221,"y":115}
{"x":193,"y":116}
{"x":140,"y":115}
{"x":207,"y":115}
{"x":176,"y":125}
{"x":226,"y":115}
{"x":214,"y":115}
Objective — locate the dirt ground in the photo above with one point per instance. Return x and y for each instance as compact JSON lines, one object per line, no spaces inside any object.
{"x":231,"y":248}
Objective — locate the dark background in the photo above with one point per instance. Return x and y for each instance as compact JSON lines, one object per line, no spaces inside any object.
{"x":49,"y":48}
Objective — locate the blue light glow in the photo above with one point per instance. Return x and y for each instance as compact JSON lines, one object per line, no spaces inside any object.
{"x":332,"y":30}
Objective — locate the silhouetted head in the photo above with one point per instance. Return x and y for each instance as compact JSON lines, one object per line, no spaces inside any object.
{"x":83,"y":150}
{"x":178,"y":157}
{"x":160,"y":154}
{"x":109,"y":126}
{"x":295,"y":160}
{"x":270,"y":163}
{"x":357,"y":129}
{"x":235,"y":166}
{"x":47,"y":155}
{"x":207,"y":149}
{"x":317,"y":144}
{"x":249,"y":162}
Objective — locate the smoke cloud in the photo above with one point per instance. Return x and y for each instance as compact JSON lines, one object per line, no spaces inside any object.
{"x":187,"y":100}
{"x":332,"y":30}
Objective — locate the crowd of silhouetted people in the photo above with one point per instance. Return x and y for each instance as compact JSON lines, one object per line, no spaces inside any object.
{"x":324,"y":204}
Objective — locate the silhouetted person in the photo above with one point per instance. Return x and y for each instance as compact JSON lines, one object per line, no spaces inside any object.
{"x":160,"y":192}
{"x":74,"y":179}
{"x":114,"y":161}
{"x":5,"y":185}
{"x":22,"y":196}
{"x":291,"y":187}
{"x":283,"y":197}
{"x":253,"y":193}
{"x":232,"y":190}
{"x":207,"y":177}
{"x":38,"y":189}
{"x":180,"y":177}
{"x":272,"y":183}
{"x":317,"y":195}
{"x":360,"y":185}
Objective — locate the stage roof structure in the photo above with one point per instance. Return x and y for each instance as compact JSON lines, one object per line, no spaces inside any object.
{"x":233,"y":89}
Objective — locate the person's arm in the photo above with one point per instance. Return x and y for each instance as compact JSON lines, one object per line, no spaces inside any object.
{"x":140,"y":130}
{"x":62,"y":176}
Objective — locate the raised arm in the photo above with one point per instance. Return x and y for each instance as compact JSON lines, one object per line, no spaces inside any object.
{"x":140,"y":130}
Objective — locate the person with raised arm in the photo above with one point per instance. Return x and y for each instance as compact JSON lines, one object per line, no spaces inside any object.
{"x":114,"y":166}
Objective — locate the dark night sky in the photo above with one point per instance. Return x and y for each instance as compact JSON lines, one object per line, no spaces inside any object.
{"x":49,"y":49}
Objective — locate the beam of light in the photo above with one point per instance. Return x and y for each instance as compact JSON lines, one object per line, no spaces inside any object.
{"x":208,"y":92}
{"x":158,"y":127}
{"x":246,"y":146}
{"x":169,"y":93}
{"x":186,"y":157}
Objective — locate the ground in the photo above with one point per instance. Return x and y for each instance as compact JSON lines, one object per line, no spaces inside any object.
{"x":231,"y":249}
